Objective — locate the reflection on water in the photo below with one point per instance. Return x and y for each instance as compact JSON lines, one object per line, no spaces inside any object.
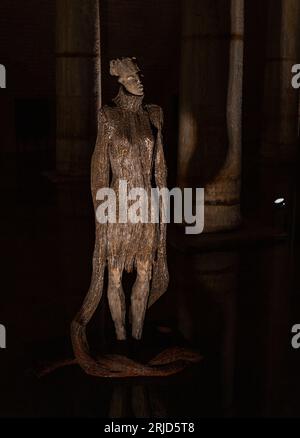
{"x":208,"y":305}
{"x":136,"y":400}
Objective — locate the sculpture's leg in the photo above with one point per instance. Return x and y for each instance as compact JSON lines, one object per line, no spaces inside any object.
{"x":139,"y":298}
{"x":116,"y":300}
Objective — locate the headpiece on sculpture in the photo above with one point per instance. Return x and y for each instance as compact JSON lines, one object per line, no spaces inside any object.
{"x":123,"y":66}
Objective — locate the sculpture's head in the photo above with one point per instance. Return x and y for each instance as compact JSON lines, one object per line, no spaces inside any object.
{"x":128,"y":75}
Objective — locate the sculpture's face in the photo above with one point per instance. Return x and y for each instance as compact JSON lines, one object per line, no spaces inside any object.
{"x":132,"y":83}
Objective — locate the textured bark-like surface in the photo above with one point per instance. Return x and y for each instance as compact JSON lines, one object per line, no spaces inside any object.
{"x":170,"y":361}
{"x":210,"y":119}
{"x":129,"y":144}
{"x":129,"y":147}
{"x":77,"y":84}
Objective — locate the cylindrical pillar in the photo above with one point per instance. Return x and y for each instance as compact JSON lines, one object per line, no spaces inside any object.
{"x":77,"y":84}
{"x":210,"y":107}
{"x":280,"y":107}
{"x":279,"y":136}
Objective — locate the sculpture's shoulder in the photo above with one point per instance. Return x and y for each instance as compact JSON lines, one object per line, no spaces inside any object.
{"x":107,"y":113}
{"x":108,"y":120}
{"x":155,"y":109}
{"x":156,"y":115}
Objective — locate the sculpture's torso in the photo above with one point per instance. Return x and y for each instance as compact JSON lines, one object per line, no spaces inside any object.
{"x":131,"y":148}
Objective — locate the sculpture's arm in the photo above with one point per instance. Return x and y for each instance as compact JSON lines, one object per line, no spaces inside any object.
{"x":160,"y":275}
{"x":100,"y":169}
{"x":99,"y":179}
{"x":160,"y":172}
{"x":100,"y":159}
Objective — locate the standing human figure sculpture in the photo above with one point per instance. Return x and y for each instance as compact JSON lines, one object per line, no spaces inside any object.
{"x":128,"y":147}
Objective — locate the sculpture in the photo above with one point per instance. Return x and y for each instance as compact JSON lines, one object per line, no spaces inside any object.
{"x":130,"y":144}
{"x":128,"y":147}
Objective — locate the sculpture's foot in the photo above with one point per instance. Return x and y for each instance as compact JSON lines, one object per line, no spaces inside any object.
{"x":136,"y":332}
{"x":121,"y":333}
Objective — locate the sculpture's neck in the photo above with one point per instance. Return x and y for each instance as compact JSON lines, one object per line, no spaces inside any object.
{"x":128,"y":101}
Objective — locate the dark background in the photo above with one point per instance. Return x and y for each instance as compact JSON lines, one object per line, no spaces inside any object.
{"x":234,"y":297}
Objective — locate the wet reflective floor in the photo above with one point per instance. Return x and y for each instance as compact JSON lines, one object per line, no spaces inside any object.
{"x":232,"y":297}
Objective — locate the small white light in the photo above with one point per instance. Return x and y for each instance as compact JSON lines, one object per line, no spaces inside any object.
{"x":279,"y":201}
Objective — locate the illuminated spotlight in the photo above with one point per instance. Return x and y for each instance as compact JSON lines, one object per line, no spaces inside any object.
{"x":279,"y":202}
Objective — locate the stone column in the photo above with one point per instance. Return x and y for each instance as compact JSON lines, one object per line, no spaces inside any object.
{"x":280,"y":107}
{"x":279,"y":134}
{"x":210,"y":107}
{"x":77,"y":84}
